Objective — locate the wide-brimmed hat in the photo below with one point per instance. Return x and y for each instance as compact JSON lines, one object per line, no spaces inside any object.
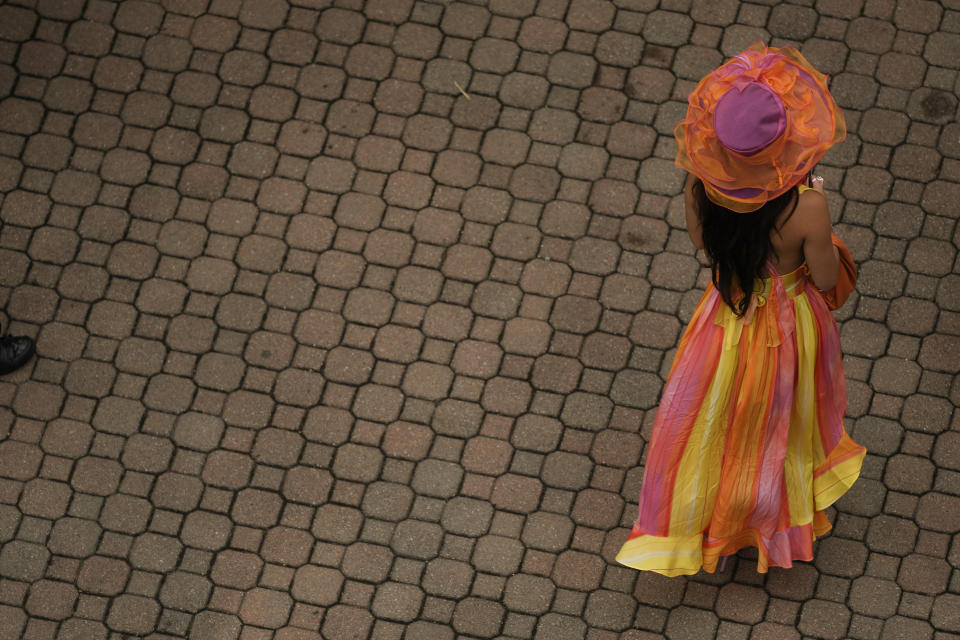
{"x":757,"y":125}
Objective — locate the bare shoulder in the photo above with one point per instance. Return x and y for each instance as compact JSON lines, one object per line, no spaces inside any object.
{"x":811,"y":216}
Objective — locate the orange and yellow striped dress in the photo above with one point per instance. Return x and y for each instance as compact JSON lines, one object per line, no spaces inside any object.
{"x":748,"y":447}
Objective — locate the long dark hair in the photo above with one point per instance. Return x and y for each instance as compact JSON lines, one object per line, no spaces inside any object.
{"x":739,"y":245}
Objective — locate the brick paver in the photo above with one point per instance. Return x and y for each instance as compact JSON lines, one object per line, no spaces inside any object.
{"x":352,"y":317}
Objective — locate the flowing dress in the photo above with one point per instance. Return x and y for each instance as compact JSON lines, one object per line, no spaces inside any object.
{"x":748,"y":446}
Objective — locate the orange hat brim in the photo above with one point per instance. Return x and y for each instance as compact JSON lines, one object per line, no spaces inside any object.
{"x":815,"y":123}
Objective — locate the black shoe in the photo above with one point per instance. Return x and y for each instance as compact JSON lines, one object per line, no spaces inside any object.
{"x":15,"y":351}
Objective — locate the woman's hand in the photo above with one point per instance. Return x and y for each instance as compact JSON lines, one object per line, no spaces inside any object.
{"x":816,"y":183}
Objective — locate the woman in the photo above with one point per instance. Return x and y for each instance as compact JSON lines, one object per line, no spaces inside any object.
{"x":748,"y":447}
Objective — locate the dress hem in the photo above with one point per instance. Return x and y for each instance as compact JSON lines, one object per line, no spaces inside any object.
{"x":674,"y":556}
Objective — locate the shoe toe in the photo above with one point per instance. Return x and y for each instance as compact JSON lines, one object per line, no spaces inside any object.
{"x":15,"y":351}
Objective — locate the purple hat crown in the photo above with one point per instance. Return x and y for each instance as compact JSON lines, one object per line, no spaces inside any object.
{"x":748,"y":119}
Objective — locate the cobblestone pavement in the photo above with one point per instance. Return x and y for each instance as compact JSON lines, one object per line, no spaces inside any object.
{"x":352,"y":317}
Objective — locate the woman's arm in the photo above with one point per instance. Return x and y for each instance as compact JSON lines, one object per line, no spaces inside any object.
{"x":821,"y":256}
{"x":693,"y":217}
